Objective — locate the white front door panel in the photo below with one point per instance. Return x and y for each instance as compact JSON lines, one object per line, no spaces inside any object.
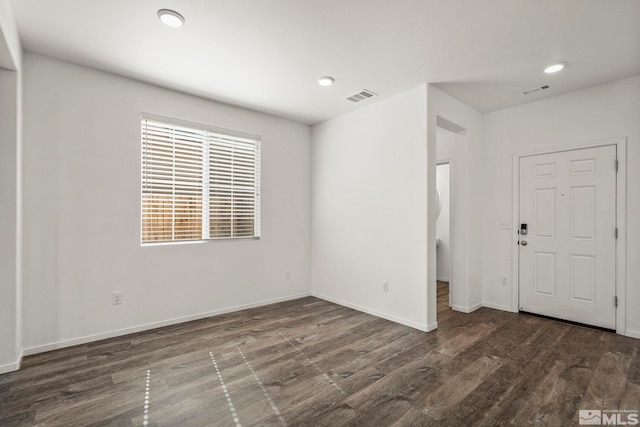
{"x":567,"y":257}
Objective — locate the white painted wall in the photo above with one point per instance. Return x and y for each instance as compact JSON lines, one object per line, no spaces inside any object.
{"x":442,"y":224}
{"x":10,"y":191}
{"x":8,"y":219}
{"x":466,"y":199}
{"x":369,"y":209}
{"x":82,"y":212}
{"x":604,"y":111}
{"x":444,"y":146}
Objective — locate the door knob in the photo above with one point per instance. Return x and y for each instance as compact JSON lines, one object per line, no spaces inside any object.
{"x":523,"y":242}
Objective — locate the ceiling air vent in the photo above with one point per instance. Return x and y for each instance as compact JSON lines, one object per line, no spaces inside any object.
{"x":361,"y":96}
{"x":535,"y":89}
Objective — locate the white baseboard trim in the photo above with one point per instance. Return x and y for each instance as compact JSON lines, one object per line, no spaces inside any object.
{"x":466,"y":309}
{"x":10,"y":367}
{"x":497,"y":306}
{"x":632,"y":334}
{"x":442,"y":279}
{"x":420,"y":326}
{"x":432,"y":327}
{"x":153,"y":325}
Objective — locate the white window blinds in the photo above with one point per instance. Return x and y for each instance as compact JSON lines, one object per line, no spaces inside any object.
{"x":198,"y":184}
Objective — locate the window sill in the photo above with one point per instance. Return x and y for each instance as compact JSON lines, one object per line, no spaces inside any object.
{"x":196,"y":242}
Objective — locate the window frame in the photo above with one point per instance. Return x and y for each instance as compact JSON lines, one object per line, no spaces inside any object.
{"x":205,"y":215}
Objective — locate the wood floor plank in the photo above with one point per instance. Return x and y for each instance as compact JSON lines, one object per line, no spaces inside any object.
{"x":542,"y":404}
{"x":449,"y":395}
{"x":631,"y":397}
{"x":608,"y":384}
{"x":468,"y":337}
{"x":634,"y":365}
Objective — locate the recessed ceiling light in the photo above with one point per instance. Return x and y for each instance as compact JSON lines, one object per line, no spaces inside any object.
{"x":326,"y":81}
{"x":554,"y":68}
{"x":171,"y":18}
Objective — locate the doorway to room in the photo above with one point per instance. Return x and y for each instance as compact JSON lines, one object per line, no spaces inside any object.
{"x":464,"y":283}
{"x":443,"y":241}
{"x":450,"y":219}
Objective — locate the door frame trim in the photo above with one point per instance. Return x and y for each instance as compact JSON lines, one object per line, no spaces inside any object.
{"x":621,"y":221}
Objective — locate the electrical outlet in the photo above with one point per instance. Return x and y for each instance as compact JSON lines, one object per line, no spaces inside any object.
{"x":287,"y":274}
{"x":385,"y":286}
{"x":504,"y":281}
{"x":116,"y":298}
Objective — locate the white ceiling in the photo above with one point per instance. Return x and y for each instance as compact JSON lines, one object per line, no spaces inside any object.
{"x":267,"y":54}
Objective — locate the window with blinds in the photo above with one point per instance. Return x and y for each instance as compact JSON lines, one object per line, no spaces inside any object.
{"x":198,"y":183}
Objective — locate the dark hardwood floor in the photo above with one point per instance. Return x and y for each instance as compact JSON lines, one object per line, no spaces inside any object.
{"x":313,"y":363}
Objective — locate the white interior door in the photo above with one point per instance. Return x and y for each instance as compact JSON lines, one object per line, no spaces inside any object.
{"x":567,"y":258}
